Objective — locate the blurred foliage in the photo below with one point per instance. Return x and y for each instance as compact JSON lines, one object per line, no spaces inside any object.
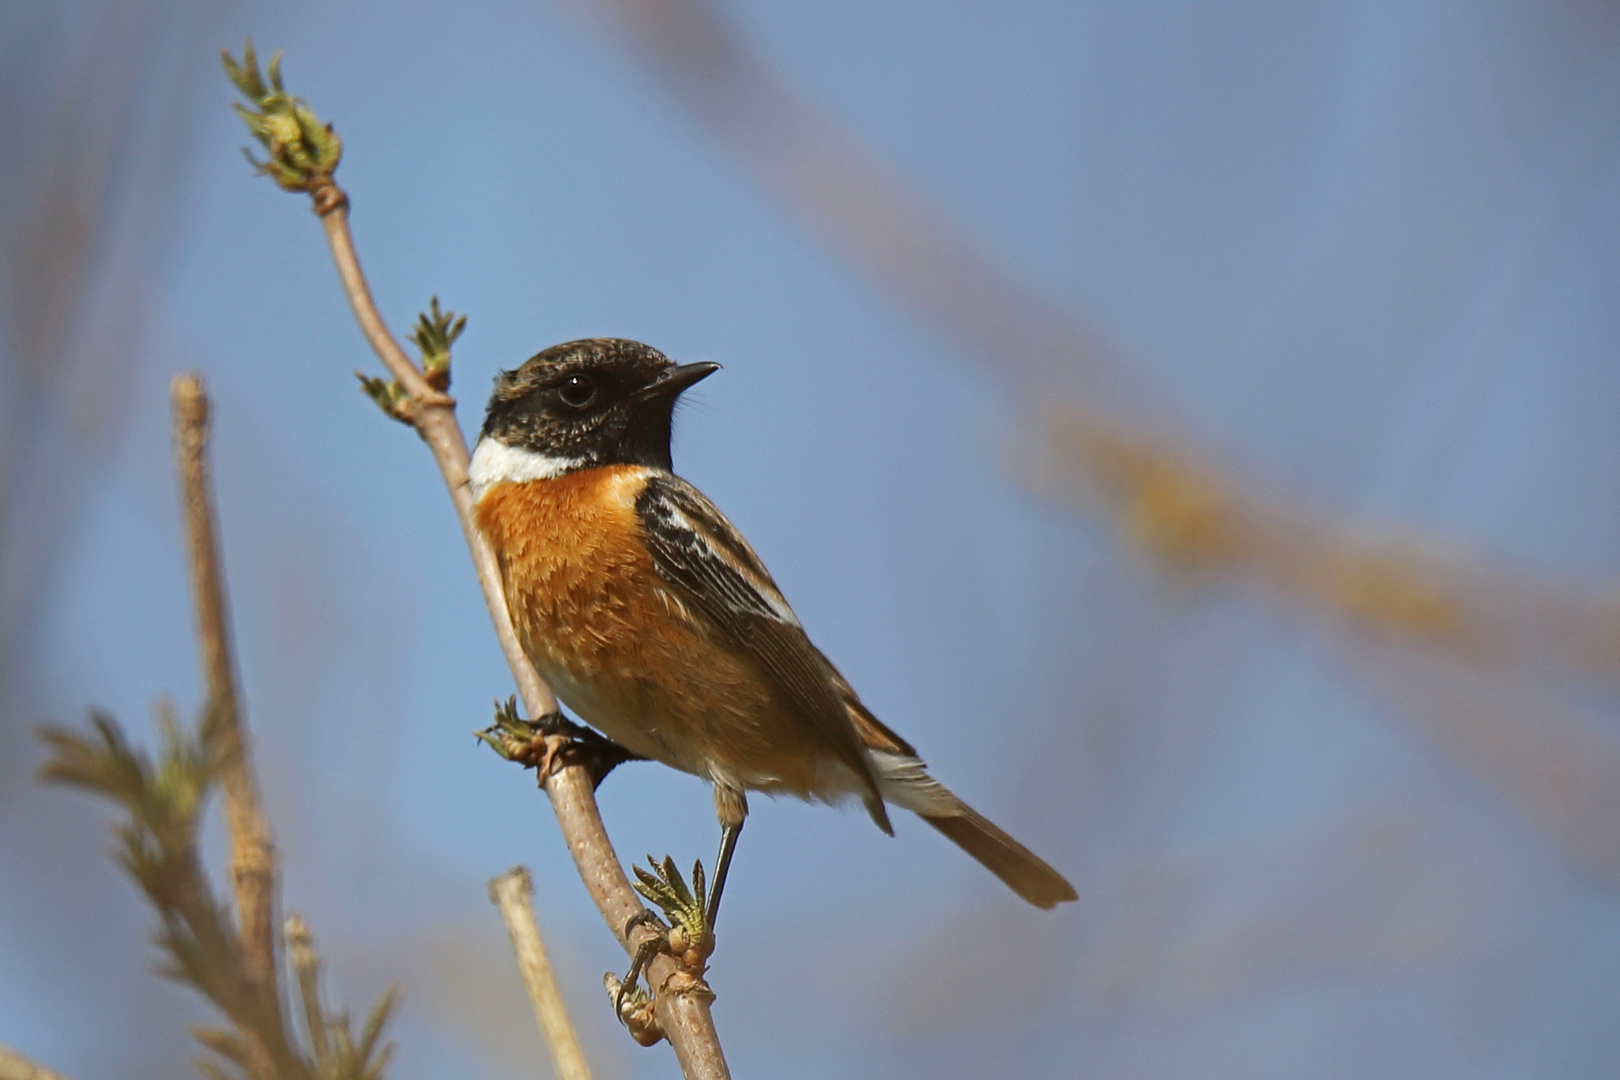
{"x":1200,"y":517}
{"x":158,"y":845}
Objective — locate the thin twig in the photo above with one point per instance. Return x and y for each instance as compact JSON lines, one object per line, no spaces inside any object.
{"x":253,"y":853}
{"x":682,"y":1006}
{"x":433,"y":414}
{"x":513,"y":893}
{"x":13,"y":1066}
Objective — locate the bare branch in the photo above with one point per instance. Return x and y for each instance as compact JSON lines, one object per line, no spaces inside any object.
{"x":433,"y":415}
{"x":682,"y":1004}
{"x":513,"y":893}
{"x":253,"y":853}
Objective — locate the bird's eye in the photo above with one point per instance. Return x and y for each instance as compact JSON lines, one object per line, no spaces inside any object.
{"x":577,"y":391}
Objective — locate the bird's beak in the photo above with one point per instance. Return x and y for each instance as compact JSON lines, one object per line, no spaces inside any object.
{"x":676,"y":379}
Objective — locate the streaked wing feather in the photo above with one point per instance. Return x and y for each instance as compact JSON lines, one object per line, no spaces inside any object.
{"x":705,"y":558}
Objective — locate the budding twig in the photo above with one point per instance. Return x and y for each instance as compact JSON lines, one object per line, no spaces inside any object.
{"x":682,"y":1011}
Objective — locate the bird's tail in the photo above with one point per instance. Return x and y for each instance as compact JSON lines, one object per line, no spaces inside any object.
{"x":1024,"y":872}
{"x":903,"y":780}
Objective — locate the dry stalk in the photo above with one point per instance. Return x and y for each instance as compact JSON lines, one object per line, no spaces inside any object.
{"x":513,"y":893}
{"x":253,"y":853}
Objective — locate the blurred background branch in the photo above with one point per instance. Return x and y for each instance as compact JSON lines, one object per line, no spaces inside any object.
{"x":253,"y":855}
{"x":13,"y":1066}
{"x":513,"y":894}
{"x":1107,"y":442}
{"x":232,"y":963}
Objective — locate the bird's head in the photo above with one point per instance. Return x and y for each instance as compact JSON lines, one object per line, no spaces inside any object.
{"x":598,"y":401}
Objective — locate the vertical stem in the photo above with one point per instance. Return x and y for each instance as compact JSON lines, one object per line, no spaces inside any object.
{"x":307,"y":968}
{"x":253,"y":854}
{"x":513,"y":893}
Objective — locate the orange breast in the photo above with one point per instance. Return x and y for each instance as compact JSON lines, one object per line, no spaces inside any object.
{"x":620,"y":647}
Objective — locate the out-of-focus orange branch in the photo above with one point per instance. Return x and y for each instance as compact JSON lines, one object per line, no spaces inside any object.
{"x":1197,"y":516}
{"x":1129,"y":455}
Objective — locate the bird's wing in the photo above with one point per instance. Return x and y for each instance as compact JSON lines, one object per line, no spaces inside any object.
{"x":703,"y":556}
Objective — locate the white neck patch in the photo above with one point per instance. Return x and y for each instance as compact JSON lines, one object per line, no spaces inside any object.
{"x":494,"y":462}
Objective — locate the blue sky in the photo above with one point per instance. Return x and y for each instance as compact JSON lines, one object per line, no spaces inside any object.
{"x":1366,"y":251}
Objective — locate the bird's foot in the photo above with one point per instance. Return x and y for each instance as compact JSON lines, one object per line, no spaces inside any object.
{"x":634,"y":1008}
{"x":550,"y":742}
{"x":686,"y":938}
{"x":631,"y":1004}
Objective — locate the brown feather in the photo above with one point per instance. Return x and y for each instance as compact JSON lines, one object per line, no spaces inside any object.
{"x":625,"y":651}
{"x":1024,"y":872}
{"x":712,"y":568}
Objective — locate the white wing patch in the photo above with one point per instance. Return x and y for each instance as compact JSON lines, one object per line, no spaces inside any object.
{"x":494,"y":462}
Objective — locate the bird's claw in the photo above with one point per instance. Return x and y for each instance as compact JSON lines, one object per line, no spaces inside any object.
{"x":629,"y":998}
{"x":634,"y":1008}
{"x":551,"y":741}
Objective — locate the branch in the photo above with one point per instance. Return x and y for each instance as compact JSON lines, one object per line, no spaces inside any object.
{"x":231,"y":962}
{"x":253,"y":853}
{"x":682,"y":1006}
{"x":338,"y":1051}
{"x":513,"y":893}
{"x":13,"y":1066}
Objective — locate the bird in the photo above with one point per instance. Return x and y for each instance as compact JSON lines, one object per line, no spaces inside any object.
{"x":655,"y":622}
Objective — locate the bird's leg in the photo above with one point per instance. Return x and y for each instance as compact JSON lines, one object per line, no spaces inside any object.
{"x":547,"y":742}
{"x":722,"y":865}
{"x":731,"y":807}
{"x":689,"y":937}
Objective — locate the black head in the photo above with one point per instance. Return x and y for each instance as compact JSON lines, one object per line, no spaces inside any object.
{"x":598,"y":401}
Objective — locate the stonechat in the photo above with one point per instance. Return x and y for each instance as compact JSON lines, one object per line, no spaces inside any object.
{"x":655,"y":622}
